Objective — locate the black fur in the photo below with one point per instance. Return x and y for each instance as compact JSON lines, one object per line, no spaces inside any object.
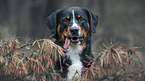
{"x":55,"y":19}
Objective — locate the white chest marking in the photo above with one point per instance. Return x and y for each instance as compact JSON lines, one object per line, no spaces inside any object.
{"x":76,"y":68}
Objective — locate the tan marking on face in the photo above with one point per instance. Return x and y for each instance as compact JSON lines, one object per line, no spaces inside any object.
{"x":85,"y":33}
{"x":63,"y":34}
{"x":88,"y":27}
{"x":58,"y":28}
{"x":84,"y":40}
{"x":79,"y":16}
{"x":67,"y":17}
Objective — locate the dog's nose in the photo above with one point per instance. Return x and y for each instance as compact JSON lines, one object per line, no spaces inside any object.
{"x":74,"y":30}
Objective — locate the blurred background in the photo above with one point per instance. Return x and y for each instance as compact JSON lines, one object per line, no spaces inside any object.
{"x":122,"y":20}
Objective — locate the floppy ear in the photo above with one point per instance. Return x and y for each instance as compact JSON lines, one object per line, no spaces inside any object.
{"x":52,"y":22}
{"x":93,"y":20}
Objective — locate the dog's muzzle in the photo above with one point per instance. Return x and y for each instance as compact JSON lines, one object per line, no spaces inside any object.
{"x":74,"y":31}
{"x":74,"y":37}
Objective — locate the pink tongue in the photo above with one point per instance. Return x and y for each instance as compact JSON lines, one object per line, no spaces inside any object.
{"x":67,"y":42}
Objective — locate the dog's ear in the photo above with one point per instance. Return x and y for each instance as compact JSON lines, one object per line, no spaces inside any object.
{"x":52,"y":22}
{"x":93,"y":20}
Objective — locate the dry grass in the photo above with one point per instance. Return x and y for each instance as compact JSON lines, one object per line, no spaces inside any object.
{"x":34,"y":61}
{"x":29,"y":62}
{"x":115,"y":63}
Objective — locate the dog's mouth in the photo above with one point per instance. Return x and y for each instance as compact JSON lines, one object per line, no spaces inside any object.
{"x":73,"y":40}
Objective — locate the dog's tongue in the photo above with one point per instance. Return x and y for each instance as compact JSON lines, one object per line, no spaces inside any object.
{"x":67,"y":42}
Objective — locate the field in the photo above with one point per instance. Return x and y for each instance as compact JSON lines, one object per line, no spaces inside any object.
{"x":34,"y":61}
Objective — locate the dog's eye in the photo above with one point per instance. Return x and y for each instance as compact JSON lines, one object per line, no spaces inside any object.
{"x":66,"y":20}
{"x":81,"y":20}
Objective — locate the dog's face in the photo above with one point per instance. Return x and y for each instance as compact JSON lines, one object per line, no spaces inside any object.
{"x":72,"y":25}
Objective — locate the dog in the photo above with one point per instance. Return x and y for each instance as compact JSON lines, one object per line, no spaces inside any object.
{"x":72,"y":27}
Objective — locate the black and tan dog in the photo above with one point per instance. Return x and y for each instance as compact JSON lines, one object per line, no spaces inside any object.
{"x":72,"y":27}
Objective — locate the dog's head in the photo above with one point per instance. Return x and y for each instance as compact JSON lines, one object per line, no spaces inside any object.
{"x":72,"y":24}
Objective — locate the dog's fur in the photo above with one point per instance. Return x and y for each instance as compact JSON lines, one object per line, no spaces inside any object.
{"x":72,"y":27}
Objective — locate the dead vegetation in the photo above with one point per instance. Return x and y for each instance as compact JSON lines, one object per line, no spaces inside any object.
{"x":34,"y":61}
